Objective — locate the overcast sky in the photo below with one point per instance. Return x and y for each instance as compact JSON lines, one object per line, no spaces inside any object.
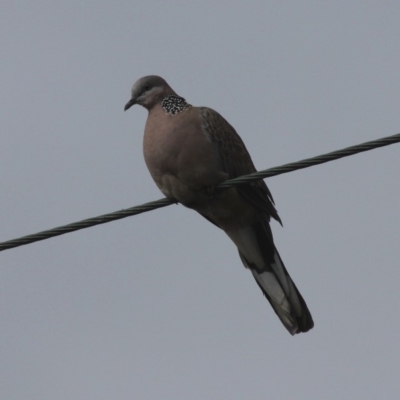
{"x":159,"y":306}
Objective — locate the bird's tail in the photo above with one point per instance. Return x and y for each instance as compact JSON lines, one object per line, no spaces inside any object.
{"x":275,"y":282}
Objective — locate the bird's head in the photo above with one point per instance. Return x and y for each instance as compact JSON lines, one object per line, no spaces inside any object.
{"x":149,"y":91}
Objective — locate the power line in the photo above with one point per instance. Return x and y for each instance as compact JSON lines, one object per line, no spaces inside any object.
{"x":282,"y":169}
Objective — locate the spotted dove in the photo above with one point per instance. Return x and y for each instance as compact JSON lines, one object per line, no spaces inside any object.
{"x":188,"y":151}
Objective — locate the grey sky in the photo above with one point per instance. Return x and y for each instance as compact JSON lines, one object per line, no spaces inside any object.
{"x":159,"y":305}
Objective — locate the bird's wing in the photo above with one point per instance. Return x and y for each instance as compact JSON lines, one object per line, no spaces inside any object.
{"x":236,"y":161}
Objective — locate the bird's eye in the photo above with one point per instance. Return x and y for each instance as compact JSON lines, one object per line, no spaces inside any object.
{"x":147,"y":87}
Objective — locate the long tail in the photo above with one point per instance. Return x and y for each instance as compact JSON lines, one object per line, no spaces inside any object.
{"x":273,"y":279}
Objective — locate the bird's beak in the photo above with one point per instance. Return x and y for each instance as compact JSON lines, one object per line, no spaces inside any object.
{"x":130,"y":103}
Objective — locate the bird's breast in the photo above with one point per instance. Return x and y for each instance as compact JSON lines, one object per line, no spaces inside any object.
{"x":179,"y":156}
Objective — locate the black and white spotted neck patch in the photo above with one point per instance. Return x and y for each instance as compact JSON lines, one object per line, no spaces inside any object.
{"x":174,"y":104}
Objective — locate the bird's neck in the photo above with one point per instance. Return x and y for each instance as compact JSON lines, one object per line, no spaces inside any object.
{"x":174,"y":104}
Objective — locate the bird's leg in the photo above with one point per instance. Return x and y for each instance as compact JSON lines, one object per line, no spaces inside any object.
{"x":211,"y":192}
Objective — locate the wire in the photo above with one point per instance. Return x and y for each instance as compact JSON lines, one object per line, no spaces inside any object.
{"x":282,"y":169}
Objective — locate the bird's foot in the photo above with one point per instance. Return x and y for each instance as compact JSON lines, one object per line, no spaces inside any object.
{"x":211,"y":192}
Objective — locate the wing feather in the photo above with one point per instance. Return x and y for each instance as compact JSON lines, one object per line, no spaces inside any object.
{"x":236,"y":161}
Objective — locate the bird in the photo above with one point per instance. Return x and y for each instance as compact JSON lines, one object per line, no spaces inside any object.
{"x":190,"y":150}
